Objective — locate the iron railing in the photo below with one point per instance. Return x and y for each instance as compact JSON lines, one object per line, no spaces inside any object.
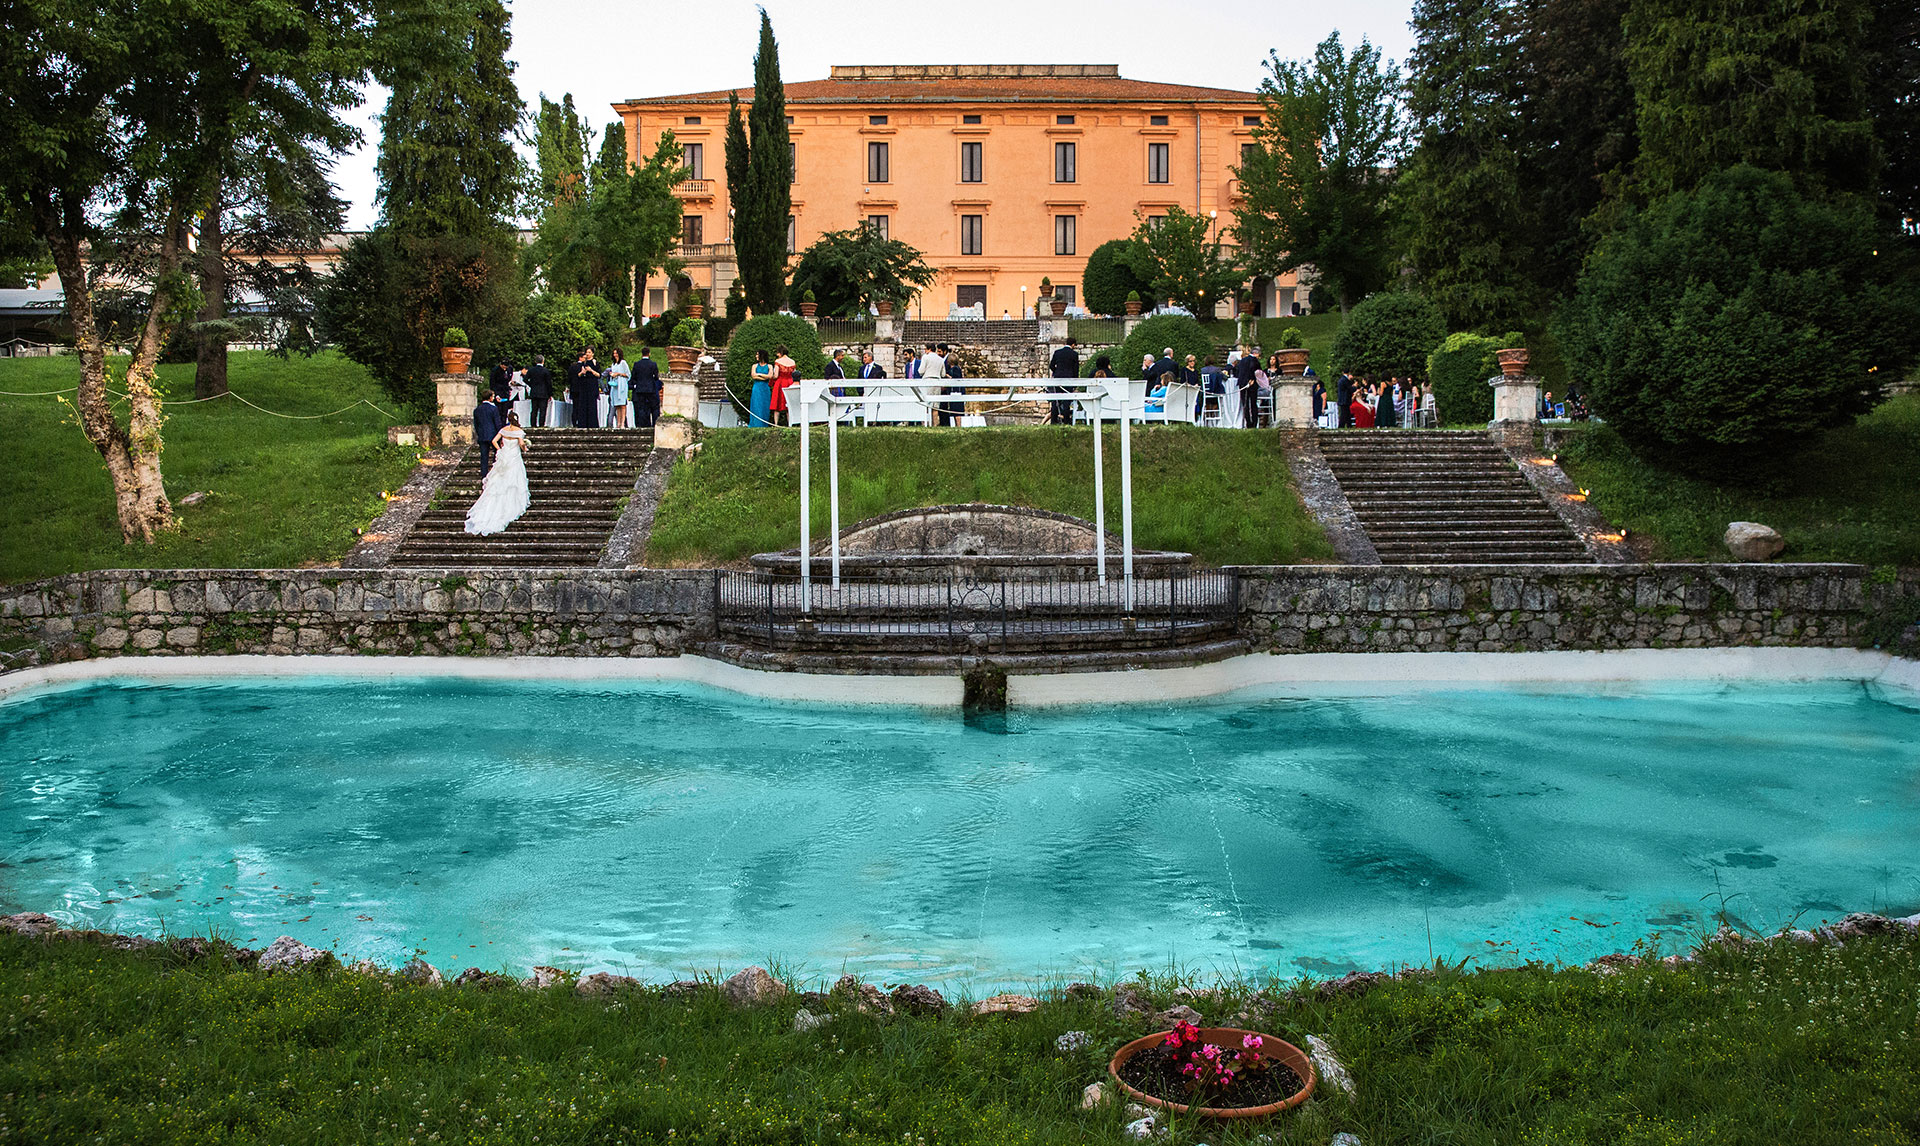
{"x":957,"y":613}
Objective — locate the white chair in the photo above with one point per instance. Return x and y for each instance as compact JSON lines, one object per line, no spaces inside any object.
{"x":1179,"y":403}
{"x":894,"y":407}
{"x":1263,"y":407}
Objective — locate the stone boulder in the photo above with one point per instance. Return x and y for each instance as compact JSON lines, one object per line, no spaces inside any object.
{"x":866,"y":998}
{"x":805,"y":1021}
{"x":1179,"y":1013}
{"x":481,"y":980}
{"x":1352,"y":984}
{"x":1007,"y":1005}
{"x":32,"y":924}
{"x":1129,"y":999}
{"x":289,"y":954}
{"x":544,"y":977}
{"x":918,"y":999}
{"x":601,"y":985}
{"x":1751,"y":541}
{"x":753,"y":987}
{"x":422,"y":973}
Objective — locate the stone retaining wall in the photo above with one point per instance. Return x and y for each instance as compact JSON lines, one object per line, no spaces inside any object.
{"x":1492,"y":608}
{"x":639,"y":613}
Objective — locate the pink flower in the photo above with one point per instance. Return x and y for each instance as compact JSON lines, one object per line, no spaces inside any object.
{"x":1173,"y":1038}
{"x":1251,"y":1041}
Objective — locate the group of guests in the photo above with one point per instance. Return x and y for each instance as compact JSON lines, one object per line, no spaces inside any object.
{"x":1363,"y":404}
{"x":632,"y":389}
{"x":1251,"y":377}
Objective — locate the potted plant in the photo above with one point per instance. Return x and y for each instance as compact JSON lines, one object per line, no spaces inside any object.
{"x":1133,"y":303}
{"x":807,"y":305}
{"x":696,"y":303}
{"x":1513,"y":361}
{"x":1046,"y":287}
{"x":689,"y":335}
{"x":455,"y":354}
{"x":1293,"y":353}
{"x":1246,"y":305}
{"x":883,"y":306}
{"x":1215,"y":1072}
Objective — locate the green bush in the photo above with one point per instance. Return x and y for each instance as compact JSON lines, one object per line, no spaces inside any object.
{"x":1389,"y":334}
{"x":718,"y":329}
{"x":1459,"y":369}
{"x":1292,"y":338}
{"x":737,"y":304}
{"x":1722,"y":326}
{"x":558,"y":325}
{"x":769,"y":332}
{"x":455,"y":337}
{"x":658,"y":331}
{"x":689,"y":332}
{"x":1108,"y":280}
{"x":1153,"y":335}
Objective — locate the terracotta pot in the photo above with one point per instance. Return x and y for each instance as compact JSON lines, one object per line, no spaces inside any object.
{"x":884,"y":306}
{"x":1226,"y":1038}
{"x":681,"y":359}
{"x":695,"y":310}
{"x":1246,"y":308}
{"x":1513,"y":363}
{"x":456,"y":359}
{"x":807,"y":309}
{"x":1046,"y":290}
{"x":1133,"y":308}
{"x":1293,"y":361}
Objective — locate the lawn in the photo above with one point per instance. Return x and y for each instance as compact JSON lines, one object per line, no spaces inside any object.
{"x":1784,"y":1042}
{"x":1223,"y":495}
{"x":1851,"y":496}
{"x":282,"y":492}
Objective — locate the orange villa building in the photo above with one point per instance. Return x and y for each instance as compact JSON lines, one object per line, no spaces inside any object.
{"x":999,"y":174}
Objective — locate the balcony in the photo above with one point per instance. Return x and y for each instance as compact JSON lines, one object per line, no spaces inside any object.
{"x":704,"y":254}
{"x":694,"y":188}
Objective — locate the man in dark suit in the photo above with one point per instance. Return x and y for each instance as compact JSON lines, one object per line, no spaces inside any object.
{"x":539,"y":389}
{"x":500,"y":381}
{"x":1163,"y":369}
{"x":583,"y":387}
{"x":646,"y":388}
{"x":868,"y":367}
{"x":488,"y":417}
{"x":1065,"y":363}
{"x":1243,"y":371}
{"x":950,"y":412}
{"x":1343,"y":397}
{"x":834,"y":372}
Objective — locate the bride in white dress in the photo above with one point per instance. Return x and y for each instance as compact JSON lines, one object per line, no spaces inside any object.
{"x":504,"y":497}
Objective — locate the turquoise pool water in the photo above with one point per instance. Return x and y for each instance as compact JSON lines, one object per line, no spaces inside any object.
{"x":666,"y":829}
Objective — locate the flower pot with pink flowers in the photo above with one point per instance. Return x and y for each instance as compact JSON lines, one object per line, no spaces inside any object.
{"x":1214,"y":1072}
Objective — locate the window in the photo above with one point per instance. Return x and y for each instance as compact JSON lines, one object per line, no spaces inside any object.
{"x":692,"y":231}
{"x":1250,"y":120}
{"x":1157,"y":120}
{"x":877,"y":120}
{"x":876,"y":162}
{"x":1063,"y":119}
{"x":691,"y":121}
{"x":793,"y":162}
{"x":969,"y":119}
{"x":1063,"y":297}
{"x":793,"y":234}
{"x":693,"y":157}
{"x":1065,"y":233}
{"x":1065,"y":161}
{"x":970,"y":165}
{"x":789,"y":121}
{"x":1159,"y":163}
{"x":970,"y":234}
{"x":1247,"y":152}
{"x":879,"y":225}
{"x":1155,"y":222}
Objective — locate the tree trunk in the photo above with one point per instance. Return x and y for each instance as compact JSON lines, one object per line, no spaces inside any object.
{"x":210,"y":359}
{"x":131,"y":452}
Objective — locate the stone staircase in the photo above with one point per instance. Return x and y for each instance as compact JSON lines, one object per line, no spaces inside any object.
{"x":578,"y":479}
{"x":1439,"y":497}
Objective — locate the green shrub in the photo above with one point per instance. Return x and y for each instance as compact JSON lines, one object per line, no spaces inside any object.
{"x":1389,"y":334}
{"x":1153,"y":335}
{"x":769,"y":332}
{"x":1722,"y":326}
{"x":1107,"y":281}
{"x":689,"y":332}
{"x":719,"y":329}
{"x":737,"y":303}
{"x":455,"y":337}
{"x":558,"y":325}
{"x":1292,"y":338}
{"x":658,"y":331}
{"x":1459,"y":369}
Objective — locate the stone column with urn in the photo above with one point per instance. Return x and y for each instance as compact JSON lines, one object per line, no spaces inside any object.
{"x":455,"y":395}
{"x":1516,"y":401}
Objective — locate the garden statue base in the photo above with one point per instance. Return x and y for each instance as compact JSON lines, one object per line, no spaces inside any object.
{"x":1516,"y":411}
{"x":1128,"y":323}
{"x":886,"y":328}
{"x":456,"y":395}
{"x":680,"y":396}
{"x":1293,"y":408}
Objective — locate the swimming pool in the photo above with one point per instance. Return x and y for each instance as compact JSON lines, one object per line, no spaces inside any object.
{"x":660,"y":829}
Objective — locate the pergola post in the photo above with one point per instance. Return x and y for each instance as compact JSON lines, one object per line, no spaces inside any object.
{"x":833,"y":486}
{"x":806,"y":490}
{"x":1099,"y":494}
{"x":1126,"y":500}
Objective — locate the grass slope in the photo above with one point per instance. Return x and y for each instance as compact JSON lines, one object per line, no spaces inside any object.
{"x":1224,"y":496}
{"x":1808,"y":1044}
{"x":281,"y":492}
{"x":1852,"y":496}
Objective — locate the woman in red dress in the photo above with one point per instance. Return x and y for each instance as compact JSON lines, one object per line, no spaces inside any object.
{"x":785,"y":372}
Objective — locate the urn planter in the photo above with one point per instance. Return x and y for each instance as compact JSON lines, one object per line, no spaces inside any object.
{"x":883,"y":307}
{"x":1513,"y":363}
{"x":1293,"y":361}
{"x":1273,"y":1050}
{"x":807,"y":309}
{"x":1133,"y":308}
{"x":681,"y":359}
{"x":695,"y":310}
{"x":456,"y":359}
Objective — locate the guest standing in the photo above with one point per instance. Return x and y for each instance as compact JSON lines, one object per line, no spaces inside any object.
{"x":1361,"y":409}
{"x":760,"y":406}
{"x":619,"y":375}
{"x":487,"y":421}
{"x":646,"y":389}
{"x":583,"y":387}
{"x":1343,"y":396}
{"x":869,"y":368}
{"x":1065,"y":363}
{"x":539,"y":389}
{"x":785,"y":371}
{"x":1243,"y":371}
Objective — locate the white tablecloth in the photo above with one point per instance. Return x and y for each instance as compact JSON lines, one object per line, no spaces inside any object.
{"x":559,"y":411}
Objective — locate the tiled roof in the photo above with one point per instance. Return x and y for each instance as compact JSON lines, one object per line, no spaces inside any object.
{"x":975,"y":84}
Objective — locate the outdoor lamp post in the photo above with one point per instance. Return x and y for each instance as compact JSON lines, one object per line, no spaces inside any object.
{"x":1023,"y":302}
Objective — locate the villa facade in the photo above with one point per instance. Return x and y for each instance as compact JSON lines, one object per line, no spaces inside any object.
{"x":999,"y":174}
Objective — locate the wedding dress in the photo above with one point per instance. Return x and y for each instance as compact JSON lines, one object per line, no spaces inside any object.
{"x":504,"y":497}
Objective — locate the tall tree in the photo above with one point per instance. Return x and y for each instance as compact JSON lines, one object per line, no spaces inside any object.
{"x":1180,"y":258}
{"x":1317,"y":179}
{"x":561,"y":142}
{"x":120,"y":115}
{"x":1461,"y":205}
{"x":592,"y":238}
{"x":847,"y":270}
{"x":763,"y":201}
{"x":1893,"y":99}
{"x":1779,"y":84}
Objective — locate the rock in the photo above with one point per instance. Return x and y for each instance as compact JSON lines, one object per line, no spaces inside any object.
{"x":481,"y":980}
{"x":193,"y":948}
{"x":366,"y":967}
{"x":1911,"y":922}
{"x":1180,"y":1013}
{"x":32,"y":924}
{"x":544,"y":977}
{"x":1129,"y":999}
{"x":918,"y":999}
{"x":753,"y":987}
{"x":1073,"y":1041}
{"x":1007,"y":1005}
{"x":289,"y":954}
{"x":1327,"y":1066}
{"x":867,"y":998}
{"x":681,"y":989}
{"x":1142,"y":1129}
{"x":1093,"y":1095}
{"x":1799,"y":935}
{"x":1861,"y":925}
{"x":1673,"y":961}
{"x":805,"y":1020}
{"x":1354,"y":983}
{"x":601,"y":985}
{"x":131,"y":942}
{"x":1345,"y":1139}
{"x":1751,"y":541}
{"x":422,"y":973}
{"x":194,"y":498}
{"x":1135,"y":1110}
{"x":1081,"y":991}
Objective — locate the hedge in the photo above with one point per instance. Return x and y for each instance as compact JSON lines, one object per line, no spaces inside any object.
{"x":1459,"y":369}
{"x":769,"y":332}
{"x":1153,"y":335}
{"x":1388,"y":335}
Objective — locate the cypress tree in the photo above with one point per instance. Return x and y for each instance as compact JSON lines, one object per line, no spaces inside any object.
{"x":737,"y":161}
{"x":760,"y":217}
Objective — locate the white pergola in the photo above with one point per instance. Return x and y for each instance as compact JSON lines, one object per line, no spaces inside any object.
{"x":816,"y":397}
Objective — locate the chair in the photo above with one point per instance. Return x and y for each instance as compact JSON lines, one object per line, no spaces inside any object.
{"x":893,"y":408}
{"x":1179,"y":402}
{"x":1210,"y":409}
{"x":1263,"y":407}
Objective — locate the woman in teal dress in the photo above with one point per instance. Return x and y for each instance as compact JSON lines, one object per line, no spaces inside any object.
{"x":760,"y":407}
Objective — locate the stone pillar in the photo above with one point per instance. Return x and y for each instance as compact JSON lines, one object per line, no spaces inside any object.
{"x":886,"y":356}
{"x":457,"y":395}
{"x":1516,"y":411}
{"x":1128,"y":323}
{"x":1293,"y":409}
{"x":680,"y":397}
{"x":886,"y":328}
{"x":1053,"y":330}
{"x":812,"y":320}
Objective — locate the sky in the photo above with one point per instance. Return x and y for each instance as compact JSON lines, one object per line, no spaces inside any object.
{"x":608,"y":50}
